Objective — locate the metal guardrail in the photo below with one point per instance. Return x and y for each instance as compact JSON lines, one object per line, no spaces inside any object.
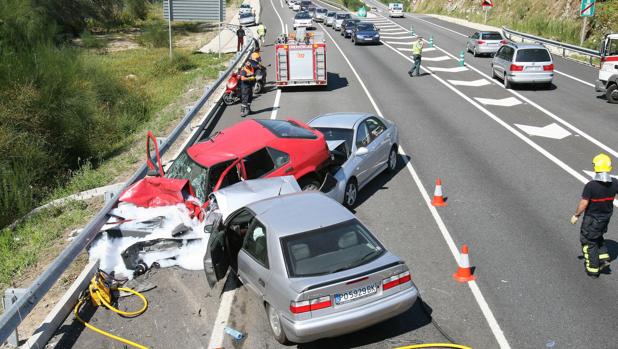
{"x":591,"y":54}
{"x":14,"y":315}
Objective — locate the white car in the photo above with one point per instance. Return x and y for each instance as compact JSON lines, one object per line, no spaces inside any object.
{"x":303,"y":19}
{"x":339,"y":18}
{"x":290,"y":3}
{"x":296,"y":7}
{"x":395,"y":9}
{"x":245,"y":8}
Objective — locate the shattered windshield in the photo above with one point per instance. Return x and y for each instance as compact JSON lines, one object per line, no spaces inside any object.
{"x":185,"y":168}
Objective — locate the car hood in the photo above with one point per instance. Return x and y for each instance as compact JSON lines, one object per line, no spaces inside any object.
{"x":238,"y":195}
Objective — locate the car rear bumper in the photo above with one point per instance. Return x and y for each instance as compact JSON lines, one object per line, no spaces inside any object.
{"x":350,"y":320}
{"x":487,"y":49}
{"x":600,"y":86}
{"x":531,"y":78}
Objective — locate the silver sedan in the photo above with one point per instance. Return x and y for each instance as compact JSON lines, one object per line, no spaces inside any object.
{"x":316,"y":268}
{"x":364,"y":144}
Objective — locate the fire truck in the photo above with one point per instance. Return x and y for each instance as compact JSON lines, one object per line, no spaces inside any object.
{"x":301,"y":59}
{"x":608,"y":74}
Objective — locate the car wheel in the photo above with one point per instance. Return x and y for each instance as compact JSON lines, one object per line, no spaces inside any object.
{"x":275,"y":325}
{"x":493,"y":72}
{"x":507,"y":83}
{"x":474,"y":53}
{"x":309,"y":183}
{"x":612,"y":94}
{"x":392,"y":159}
{"x":351,"y":193}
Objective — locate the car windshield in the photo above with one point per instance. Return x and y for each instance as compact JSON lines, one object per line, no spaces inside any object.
{"x":245,"y":15}
{"x":330,"y":249}
{"x":533,"y":55}
{"x":185,"y":168}
{"x":343,"y":15}
{"x":302,"y":15}
{"x":492,"y":36}
{"x":365,"y":27}
{"x":321,"y":10}
{"x":286,"y":129}
{"x":338,"y":134}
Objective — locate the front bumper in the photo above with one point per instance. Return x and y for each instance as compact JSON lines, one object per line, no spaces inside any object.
{"x":350,"y":320}
{"x":367,"y":40}
{"x":599,"y":86}
{"x":530,"y":78}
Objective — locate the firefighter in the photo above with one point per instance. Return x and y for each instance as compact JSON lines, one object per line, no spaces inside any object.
{"x":255,"y":55}
{"x":597,"y":205}
{"x":261,"y":31}
{"x":240,"y":35}
{"x":247,"y":78}
{"x":417,"y":51}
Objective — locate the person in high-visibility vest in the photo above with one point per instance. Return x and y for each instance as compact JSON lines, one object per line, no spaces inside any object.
{"x":261,"y":31}
{"x":247,"y":79}
{"x":597,"y":205}
{"x":417,"y":51}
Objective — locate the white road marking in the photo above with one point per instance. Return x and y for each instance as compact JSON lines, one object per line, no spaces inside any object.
{"x":396,"y":37}
{"x":437,"y":59}
{"x":478,"y":296}
{"x":556,"y":71}
{"x":273,"y":114}
{"x":396,"y":30}
{"x":552,"y":130}
{"x":473,"y":83}
{"x":448,"y":70}
{"x":401,"y":42}
{"x":387,"y":26}
{"x":503,"y":102}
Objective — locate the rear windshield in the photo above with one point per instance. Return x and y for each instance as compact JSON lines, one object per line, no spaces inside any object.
{"x":322,"y":10}
{"x":286,"y":129}
{"x":343,"y":15}
{"x":533,"y":55}
{"x":305,"y":3}
{"x":365,"y":27}
{"x":397,"y":7}
{"x":492,"y":36}
{"x":302,"y":15}
{"x":329,"y":250}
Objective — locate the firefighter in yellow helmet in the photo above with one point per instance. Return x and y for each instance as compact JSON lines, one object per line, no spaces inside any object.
{"x":597,"y":206}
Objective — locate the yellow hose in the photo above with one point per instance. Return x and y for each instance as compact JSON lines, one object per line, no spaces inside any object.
{"x":127,"y":313}
{"x":435,"y":345}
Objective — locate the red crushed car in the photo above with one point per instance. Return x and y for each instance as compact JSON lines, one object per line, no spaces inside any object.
{"x":250,"y":149}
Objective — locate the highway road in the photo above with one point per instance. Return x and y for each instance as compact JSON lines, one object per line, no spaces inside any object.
{"x":512,"y":164}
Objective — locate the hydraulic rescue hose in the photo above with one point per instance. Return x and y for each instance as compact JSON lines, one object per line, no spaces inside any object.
{"x":100,"y":293}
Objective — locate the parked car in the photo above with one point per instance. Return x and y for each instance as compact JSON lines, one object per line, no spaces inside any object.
{"x":330,"y":18}
{"x":364,"y":144}
{"x":339,"y":18}
{"x":245,"y":8}
{"x":523,"y":64}
{"x":485,"y":43}
{"x":320,"y":14}
{"x":246,"y":19}
{"x":302,"y":20}
{"x":318,"y":271}
{"x":364,"y":33}
{"x":348,"y":26}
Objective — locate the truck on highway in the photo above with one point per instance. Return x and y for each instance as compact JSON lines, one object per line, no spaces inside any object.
{"x":301,"y":59}
{"x":608,"y":74}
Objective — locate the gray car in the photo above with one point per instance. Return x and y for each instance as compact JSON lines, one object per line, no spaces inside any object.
{"x":330,"y":18}
{"x":523,"y":64}
{"x":484,"y":43}
{"x":320,"y":14}
{"x":364,"y":144}
{"x":246,"y":19}
{"x":318,"y":271}
{"x":339,"y":18}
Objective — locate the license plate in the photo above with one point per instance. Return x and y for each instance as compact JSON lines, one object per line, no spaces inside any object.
{"x":361,"y":292}
{"x":367,"y":39}
{"x":534,"y":68}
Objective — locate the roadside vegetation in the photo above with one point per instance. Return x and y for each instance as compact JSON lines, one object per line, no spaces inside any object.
{"x":80,"y":83}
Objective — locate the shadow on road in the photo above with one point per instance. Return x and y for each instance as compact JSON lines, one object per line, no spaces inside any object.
{"x":379,"y":182}
{"x":69,"y":332}
{"x":335,"y":82}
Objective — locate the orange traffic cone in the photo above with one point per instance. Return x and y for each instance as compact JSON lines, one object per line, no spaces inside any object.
{"x":464,"y":273}
{"x":438,"y":199}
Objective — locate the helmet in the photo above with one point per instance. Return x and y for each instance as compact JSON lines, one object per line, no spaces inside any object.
{"x":602,"y":163}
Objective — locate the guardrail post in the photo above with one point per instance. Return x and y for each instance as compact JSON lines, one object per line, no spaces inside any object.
{"x":11,"y":295}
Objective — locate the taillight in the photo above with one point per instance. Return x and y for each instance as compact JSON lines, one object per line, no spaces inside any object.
{"x":515,"y":67}
{"x":504,"y":42}
{"x":310,"y":305}
{"x":480,"y":42}
{"x":548,"y":67}
{"x":393,"y":281}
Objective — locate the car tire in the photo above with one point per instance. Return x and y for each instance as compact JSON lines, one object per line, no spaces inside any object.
{"x":309,"y":183}
{"x":493,"y":72}
{"x":507,"y":83}
{"x":474,"y":53}
{"x":274,"y":322}
{"x":391,"y":164}
{"x":350,"y":194}
{"x":612,"y":94}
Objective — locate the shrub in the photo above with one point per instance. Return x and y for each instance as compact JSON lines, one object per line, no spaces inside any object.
{"x":179,"y":63}
{"x":92,"y":41}
{"x":155,"y":34}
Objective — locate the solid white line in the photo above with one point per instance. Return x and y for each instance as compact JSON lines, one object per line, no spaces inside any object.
{"x":493,"y":324}
{"x":273,"y":114}
{"x":574,"y":78}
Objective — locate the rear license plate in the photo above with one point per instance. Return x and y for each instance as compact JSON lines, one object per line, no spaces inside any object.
{"x":361,"y":292}
{"x":534,"y":68}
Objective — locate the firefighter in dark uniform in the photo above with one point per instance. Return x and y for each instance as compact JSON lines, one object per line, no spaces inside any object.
{"x":247,"y":78}
{"x":597,"y":205}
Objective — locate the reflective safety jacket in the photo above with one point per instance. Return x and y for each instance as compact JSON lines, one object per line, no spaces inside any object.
{"x":417,"y":48}
{"x":261,"y":29}
{"x":247,"y":76}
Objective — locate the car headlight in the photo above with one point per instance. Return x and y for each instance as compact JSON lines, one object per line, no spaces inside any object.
{"x":377,"y":36}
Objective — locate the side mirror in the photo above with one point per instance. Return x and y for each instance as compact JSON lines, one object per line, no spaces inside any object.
{"x":361,"y":151}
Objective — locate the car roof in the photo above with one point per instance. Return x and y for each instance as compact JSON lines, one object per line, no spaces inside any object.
{"x":299,"y":212}
{"x":338,"y":120}
{"x":520,"y":46}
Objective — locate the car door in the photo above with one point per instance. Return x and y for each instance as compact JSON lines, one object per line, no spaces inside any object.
{"x":472,"y":41}
{"x":365,"y":154}
{"x":380,"y":141}
{"x":509,"y":52}
{"x":253,"y":263}
{"x":216,"y":259}
{"x":498,"y":61}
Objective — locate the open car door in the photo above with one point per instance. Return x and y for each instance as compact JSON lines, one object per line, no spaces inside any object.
{"x":216,"y":259}
{"x":153,"y":158}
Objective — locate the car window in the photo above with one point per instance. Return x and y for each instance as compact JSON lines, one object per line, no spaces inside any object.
{"x":338,"y":134}
{"x":492,"y":36}
{"x":286,"y":129}
{"x":279,"y":158}
{"x":475,"y":36}
{"x":612,"y":48}
{"x":255,"y":243}
{"x":258,"y":164}
{"x":331,"y":14}
{"x":246,"y":15}
{"x":508,"y":53}
{"x":500,"y":53}
{"x":322,"y":10}
{"x":362,"y":136}
{"x":185,"y":168}
{"x":533,"y":55}
{"x":330,"y":249}
{"x":375,"y":127}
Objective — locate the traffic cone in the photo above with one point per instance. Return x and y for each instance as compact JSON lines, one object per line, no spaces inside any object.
{"x":438,"y":199}
{"x":464,"y":273}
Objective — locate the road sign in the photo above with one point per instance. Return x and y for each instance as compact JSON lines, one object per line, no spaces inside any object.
{"x":195,"y":10}
{"x":587,"y":8}
{"x":487,"y":3}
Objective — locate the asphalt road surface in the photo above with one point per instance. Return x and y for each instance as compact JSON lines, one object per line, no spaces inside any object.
{"x":512,"y":164}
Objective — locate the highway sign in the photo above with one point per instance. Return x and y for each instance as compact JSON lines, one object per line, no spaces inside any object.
{"x":487,"y":3}
{"x":587,"y":8}
{"x":195,"y":10}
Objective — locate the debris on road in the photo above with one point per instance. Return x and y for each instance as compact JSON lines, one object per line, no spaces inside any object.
{"x":237,"y":335}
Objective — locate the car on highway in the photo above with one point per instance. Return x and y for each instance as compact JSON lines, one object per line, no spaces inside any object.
{"x":339,"y":18}
{"x":523,"y":64}
{"x":395,"y":9}
{"x":246,"y":19}
{"x":290,"y":3}
{"x":296,"y":5}
{"x":485,"y":43}
{"x":304,"y":5}
{"x":330,"y":18}
{"x":245,"y":8}
{"x":364,"y":144}
{"x":347,"y":27}
{"x":317,"y":270}
{"x":365,"y":33}
{"x":302,"y":20}
{"x":311,"y":10}
{"x":320,"y":14}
